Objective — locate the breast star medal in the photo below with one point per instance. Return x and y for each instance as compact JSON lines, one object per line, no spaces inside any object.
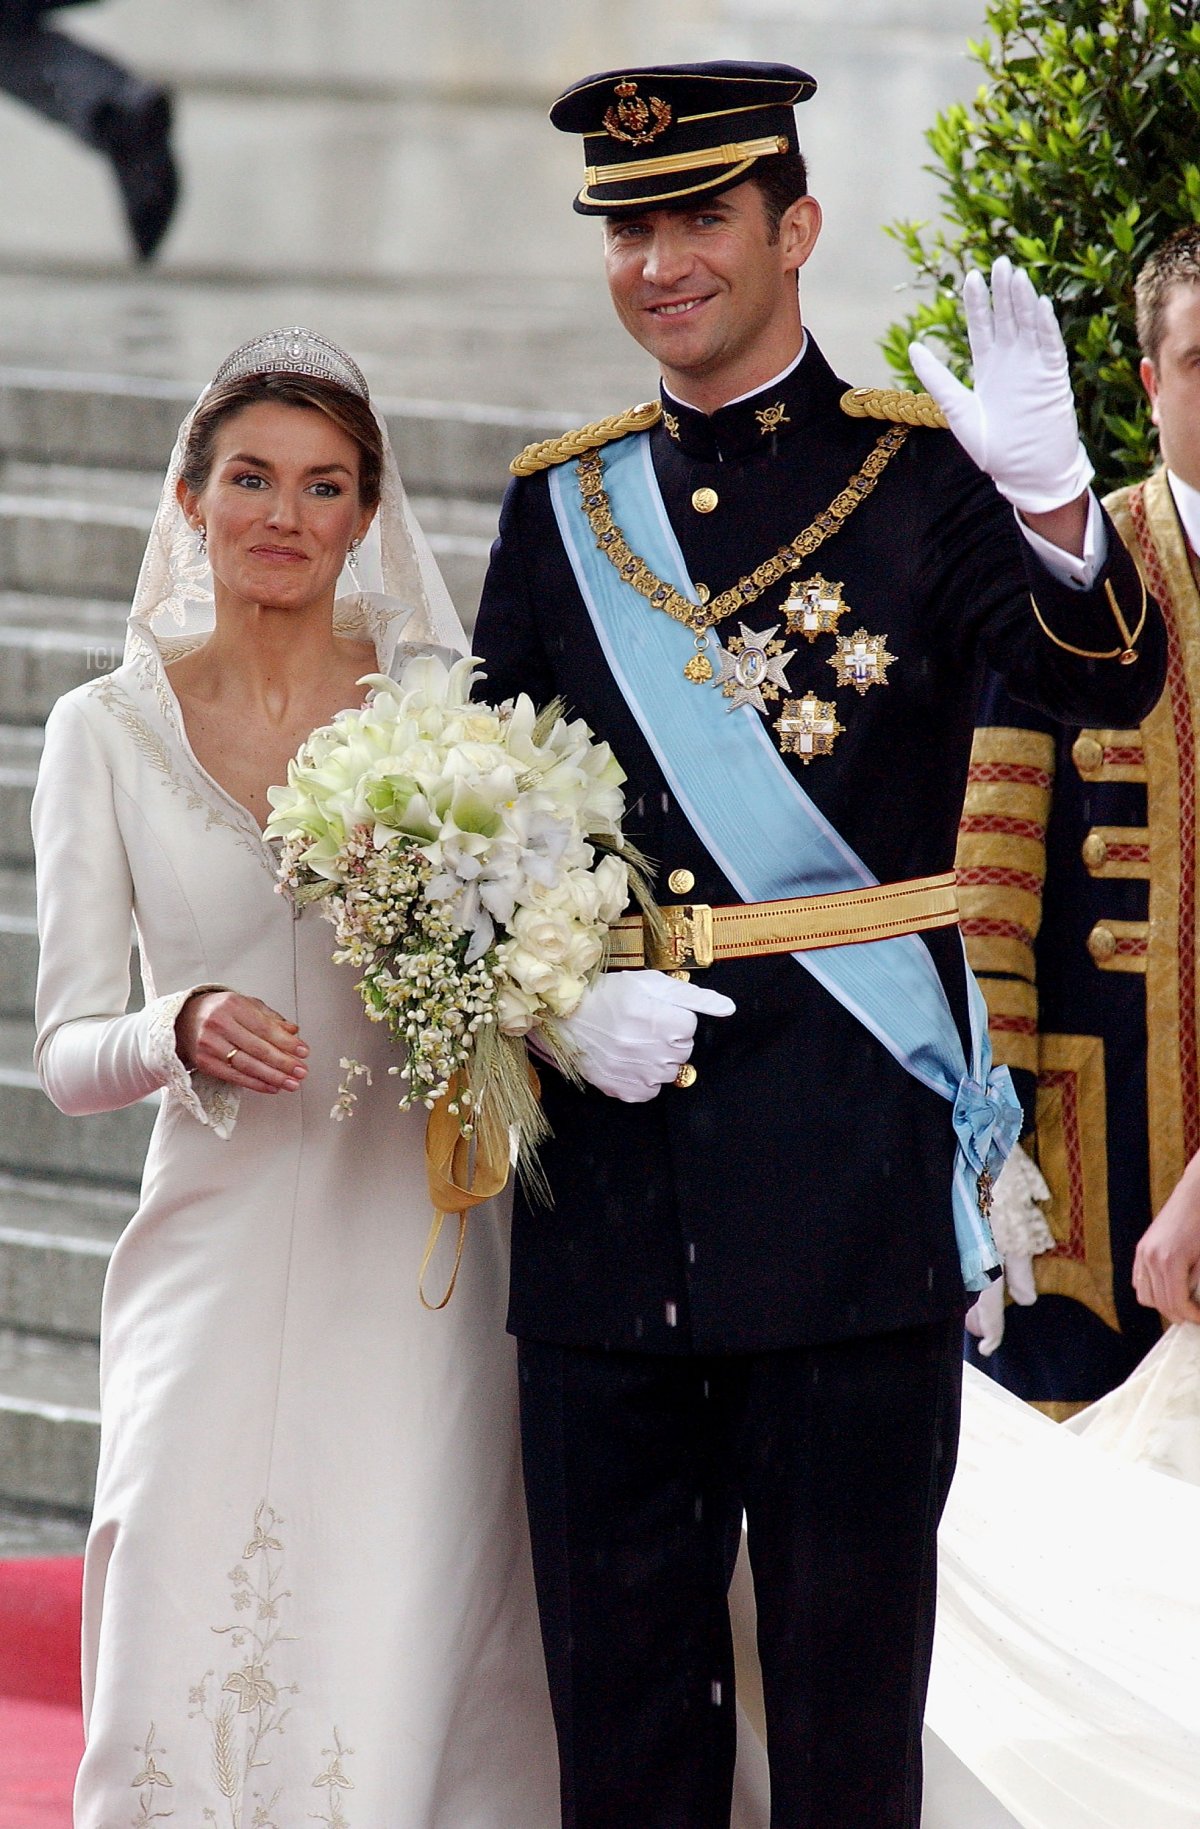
{"x":813,"y":607}
{"x":808,"y":727}
{"x":861,"y":660}
{"x":752,"y":668}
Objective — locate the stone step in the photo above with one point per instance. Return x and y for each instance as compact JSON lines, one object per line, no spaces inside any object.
{"x":55,"y":1242}
{"x":38,"y":1140}
{"x":20,"y":752}
{"x":18,"y":941}
{"x":57,"y":543}
{"x":128,"y":424}
{"x":49,"y":1419}
{"x":49,"y":644}
{"x":41,"y":1531}
{"x":55,"y":535}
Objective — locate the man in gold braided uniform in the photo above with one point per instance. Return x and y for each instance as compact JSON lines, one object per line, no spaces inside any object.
{"x":747,"y":1293}
{"x":1078,"y":858}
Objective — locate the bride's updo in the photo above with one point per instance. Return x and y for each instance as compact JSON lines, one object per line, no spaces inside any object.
{"x":341,"y":401}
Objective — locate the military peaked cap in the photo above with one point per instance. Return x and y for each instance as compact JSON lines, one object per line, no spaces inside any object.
{"x":656,"y":136}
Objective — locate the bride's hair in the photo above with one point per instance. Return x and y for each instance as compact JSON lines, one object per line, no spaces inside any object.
{"x":349,"y":411}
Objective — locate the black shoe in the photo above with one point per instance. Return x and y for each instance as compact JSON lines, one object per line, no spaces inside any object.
{"x":136,"y":137}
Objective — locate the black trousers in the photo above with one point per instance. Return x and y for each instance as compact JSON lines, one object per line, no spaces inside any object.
{"x":637,"y":1471}
{"x":64,"y":80}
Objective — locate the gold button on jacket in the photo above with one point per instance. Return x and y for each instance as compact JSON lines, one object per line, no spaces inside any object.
{"x":680,"y":882}
{"x":1087,"y":754}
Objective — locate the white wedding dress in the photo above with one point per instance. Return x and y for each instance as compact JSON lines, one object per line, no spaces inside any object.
{"x":308,"y":1594}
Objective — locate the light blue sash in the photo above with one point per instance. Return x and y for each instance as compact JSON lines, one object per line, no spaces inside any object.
{"x":768,"y":837}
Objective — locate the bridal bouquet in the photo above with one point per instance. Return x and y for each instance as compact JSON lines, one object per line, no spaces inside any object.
{"x":470,"y":860}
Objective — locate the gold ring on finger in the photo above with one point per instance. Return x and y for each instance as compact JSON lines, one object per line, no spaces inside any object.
{"x":230,"y":1055}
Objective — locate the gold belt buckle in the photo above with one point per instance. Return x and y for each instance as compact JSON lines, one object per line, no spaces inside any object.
{"x":689,"y":941}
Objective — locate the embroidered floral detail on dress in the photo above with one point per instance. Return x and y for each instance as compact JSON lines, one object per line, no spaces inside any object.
{"x":245,"y":1707}
{"x":150,"y":745}
{"x":210,"y":1101}
{"x":149,"y":1779}
{"x":210,"y":803}
{"x":335,"y":1780}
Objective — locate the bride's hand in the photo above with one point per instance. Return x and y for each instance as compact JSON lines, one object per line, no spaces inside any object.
{"x":242,"y":1040}
{"x":1166,"y":1266}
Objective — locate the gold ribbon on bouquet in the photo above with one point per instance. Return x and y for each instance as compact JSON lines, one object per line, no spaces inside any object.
{"x":461,"y":1172}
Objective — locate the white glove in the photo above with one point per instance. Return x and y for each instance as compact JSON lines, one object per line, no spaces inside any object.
{"x":1020,"y":1230}
{"x":1019,"y":423}
{"x":634,"y":1030}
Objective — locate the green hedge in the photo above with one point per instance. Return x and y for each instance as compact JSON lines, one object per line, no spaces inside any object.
{"x":1078,"y":157}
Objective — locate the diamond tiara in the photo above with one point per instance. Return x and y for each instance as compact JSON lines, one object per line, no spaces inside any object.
{"x":294,"y":351}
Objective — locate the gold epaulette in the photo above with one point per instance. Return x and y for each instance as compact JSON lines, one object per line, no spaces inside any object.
{"x":894,"y":403}
{"x":547,"y":452}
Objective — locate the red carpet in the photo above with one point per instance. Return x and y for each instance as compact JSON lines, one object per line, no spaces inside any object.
{"x":41,"y":1729}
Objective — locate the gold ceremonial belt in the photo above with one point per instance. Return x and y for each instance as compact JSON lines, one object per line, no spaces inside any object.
{"x":697,"y":934}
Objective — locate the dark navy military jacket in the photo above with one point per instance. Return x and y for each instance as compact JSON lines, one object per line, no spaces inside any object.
{"x":800,"y":1190}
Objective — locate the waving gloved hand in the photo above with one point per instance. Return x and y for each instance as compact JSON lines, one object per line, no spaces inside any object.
{"x":634,"y":1030}
{"x":1018,"y":422}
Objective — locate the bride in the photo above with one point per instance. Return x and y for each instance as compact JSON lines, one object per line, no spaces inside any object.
{"x":307,"y":1590}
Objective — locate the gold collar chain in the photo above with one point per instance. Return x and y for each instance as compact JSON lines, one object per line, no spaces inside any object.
{"x":701,"y":616}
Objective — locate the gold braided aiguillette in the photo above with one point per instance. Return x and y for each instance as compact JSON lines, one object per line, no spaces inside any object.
{"x":1126,"y":654}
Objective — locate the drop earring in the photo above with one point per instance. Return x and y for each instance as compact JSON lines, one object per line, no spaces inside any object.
{"x":202,"y":539}
{"x":352,"y":561}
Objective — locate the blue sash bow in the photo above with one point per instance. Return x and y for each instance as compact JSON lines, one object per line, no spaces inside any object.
{"x":771,"y":841}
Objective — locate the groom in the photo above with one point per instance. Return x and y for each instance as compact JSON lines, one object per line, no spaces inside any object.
{"x":748,"y":1293}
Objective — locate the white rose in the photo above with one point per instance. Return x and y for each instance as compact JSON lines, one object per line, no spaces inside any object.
{"x":563,"y":997}
{"x":584,"y":893}
{"x":515,"y":1010}
{"x":584,"y":953}
{"x":526,"y":969}
{"x":611,"y":878}
{"x":543,"y":931}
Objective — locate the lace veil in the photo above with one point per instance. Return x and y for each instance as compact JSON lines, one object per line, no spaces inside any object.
{"x":402,"y":592}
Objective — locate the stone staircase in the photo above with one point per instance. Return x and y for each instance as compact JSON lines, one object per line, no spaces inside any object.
{"x":80,"y":465}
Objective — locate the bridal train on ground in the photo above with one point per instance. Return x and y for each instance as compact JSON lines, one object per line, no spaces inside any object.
{"x":1066,"y":1674}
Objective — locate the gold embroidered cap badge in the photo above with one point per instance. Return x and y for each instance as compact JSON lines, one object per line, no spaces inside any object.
{"x":634,"y":120}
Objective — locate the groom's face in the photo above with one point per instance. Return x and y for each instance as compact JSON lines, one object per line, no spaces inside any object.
{"x":702,"y":287}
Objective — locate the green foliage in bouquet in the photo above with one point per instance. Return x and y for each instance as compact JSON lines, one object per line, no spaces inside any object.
{"x":1078,"y":157}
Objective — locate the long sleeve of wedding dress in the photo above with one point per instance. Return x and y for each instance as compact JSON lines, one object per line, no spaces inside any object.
{"x":91,"y":1054}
